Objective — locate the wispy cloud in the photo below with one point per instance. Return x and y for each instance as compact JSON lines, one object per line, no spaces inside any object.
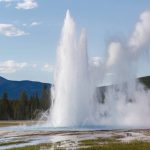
{"x":10,"y":30}
{"x":48,"y":68}
{"x":32,"y":24}
{"x":21,"y":4}
{"x":35,"y":23}
{"x":24,"y":24}
{"x":10,"y":66}
{"x":27,"y":4}
{"x":8,"y":3}
{"x":34,"y":65}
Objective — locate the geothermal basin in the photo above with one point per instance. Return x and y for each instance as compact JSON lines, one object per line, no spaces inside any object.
{"x":119,"y":113}
{"x":65,"y":138}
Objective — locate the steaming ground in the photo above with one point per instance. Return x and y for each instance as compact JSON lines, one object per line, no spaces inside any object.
{"x":75,"y":102}
{"x":37,"y":137}
{"x":127,"y":103}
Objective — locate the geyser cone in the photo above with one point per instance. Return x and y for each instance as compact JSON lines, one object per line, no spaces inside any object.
{"x":72,"y":92}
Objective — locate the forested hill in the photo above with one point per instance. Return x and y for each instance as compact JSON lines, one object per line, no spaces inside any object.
{"x":25,"y":100}
{"x":14,"y":88}
{"x":145,"y":81}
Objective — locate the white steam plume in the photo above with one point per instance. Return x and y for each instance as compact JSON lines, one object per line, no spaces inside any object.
{"x":127,"y":103}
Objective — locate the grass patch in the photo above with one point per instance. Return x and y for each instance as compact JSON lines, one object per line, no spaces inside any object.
{"x":11,"y":143}
{"x":134,"y":145}
{"x":5,"y":124}
{"x":34,"y":147}
{"x":98,"y":141}
{"x":17,"y":122}
{"x":95,"y":145}
{"x":44,"y":146}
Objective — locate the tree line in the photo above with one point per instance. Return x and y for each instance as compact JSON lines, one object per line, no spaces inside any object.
{"x":25,"y":107}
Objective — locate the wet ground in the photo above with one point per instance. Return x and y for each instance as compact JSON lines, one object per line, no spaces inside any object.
{"x":25,"y":135}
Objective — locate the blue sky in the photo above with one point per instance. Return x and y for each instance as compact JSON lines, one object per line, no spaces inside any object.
{"x":30,"y":29}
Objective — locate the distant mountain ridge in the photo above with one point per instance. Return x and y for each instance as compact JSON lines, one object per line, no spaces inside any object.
{"x":14,"y":88}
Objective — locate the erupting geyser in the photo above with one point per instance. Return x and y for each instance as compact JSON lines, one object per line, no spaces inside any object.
{"x":75,"y":98}
{"x":72,"y":88}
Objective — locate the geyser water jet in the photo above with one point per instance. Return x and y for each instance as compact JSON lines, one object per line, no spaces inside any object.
{"x":72,"y":88}
{"x":76,"y":102}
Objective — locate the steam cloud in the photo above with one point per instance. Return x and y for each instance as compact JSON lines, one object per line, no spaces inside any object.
{"x":124,"y":104}
{"x":127,"y":102}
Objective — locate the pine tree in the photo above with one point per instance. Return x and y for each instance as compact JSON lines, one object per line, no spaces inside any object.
{"x":45,"y":99}
{"x":5,"y":107}
{"x":23,"y":106}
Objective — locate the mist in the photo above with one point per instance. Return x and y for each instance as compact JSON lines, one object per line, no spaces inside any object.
{"x":76,"y":101}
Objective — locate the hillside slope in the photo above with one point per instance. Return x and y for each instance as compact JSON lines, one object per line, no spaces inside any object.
{"x":145,"y":81}
{"x":14,"y":88}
